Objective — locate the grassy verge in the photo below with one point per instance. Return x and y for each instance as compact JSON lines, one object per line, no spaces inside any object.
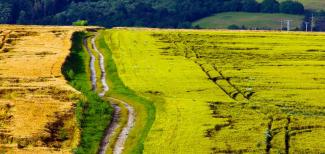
{"x":145,"y":118}
{"x":92,"y":112}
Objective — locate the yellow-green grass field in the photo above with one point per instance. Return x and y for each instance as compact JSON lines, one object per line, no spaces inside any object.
{"x":249,"y":20}
{"x":226,"y":91}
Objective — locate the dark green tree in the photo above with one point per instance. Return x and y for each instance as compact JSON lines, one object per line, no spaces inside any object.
{"x":250,"y":6}
{"x":292,"y":7}
{"x":5,"y":13}
{"x":22,"y":18}
{"x":233,"y":27}
{"x":270,"y":6}
{"x":232,"y":5}
{"x":148,"y":13}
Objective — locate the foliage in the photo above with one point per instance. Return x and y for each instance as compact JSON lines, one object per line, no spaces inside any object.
{"x":141,"y":13}
{"x":291,"y":7}
{"x":250,"y":6}
{"x":270,"y":6}
{"x":232,"y":5}
{"x":22,"y":19}
{"x":233,"y":27}
{"x":80,"y":23}
{"x":320,"y":21}
{"x":5,"y":13}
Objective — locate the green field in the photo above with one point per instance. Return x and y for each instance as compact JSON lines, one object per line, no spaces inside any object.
{"x":309,"y":4}
{"x":226,"y":91}
{"x":249,"y":20}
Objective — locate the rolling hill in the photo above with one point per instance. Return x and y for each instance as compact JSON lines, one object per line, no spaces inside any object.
{"x":249,"y":20}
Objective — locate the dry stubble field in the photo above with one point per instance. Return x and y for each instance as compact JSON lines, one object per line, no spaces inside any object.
{"x":36,"y":103}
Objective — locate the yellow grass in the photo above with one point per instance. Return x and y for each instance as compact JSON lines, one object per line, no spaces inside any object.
{"x":32,"y":85}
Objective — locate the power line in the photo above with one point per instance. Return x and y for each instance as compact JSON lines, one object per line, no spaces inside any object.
{"x":288,"y":24}
{"x":312,"y":22}
{"x":306,"y":25}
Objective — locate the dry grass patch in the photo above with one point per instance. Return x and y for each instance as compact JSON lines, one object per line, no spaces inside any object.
{"x":36,"y":103}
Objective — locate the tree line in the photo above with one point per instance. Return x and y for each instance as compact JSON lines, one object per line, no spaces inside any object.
{"x":148,"y":13}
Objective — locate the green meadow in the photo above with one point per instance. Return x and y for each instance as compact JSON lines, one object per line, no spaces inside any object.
{"x":249,"y":20}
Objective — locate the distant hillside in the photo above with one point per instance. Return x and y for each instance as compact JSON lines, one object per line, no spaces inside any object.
{"x":309,"y":4}
{"x":249,"y":20}
{"x":139,"y":13}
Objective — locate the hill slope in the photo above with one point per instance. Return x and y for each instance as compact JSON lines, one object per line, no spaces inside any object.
{"x":249,"y":20}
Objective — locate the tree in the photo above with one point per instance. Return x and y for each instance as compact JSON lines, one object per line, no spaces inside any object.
{"x":5,"y":13}
{"x":233,"y":27}
{"x":110,"y":13}
{"x":292,"y":7}
{"x":250,"y":6}
{"x":232,"y":5}
{"x":270,"y":6}
{"x":319,"y":21}
{"x":184,"y":25}
{"x":80,"y":23}
{"x":22,"y":18}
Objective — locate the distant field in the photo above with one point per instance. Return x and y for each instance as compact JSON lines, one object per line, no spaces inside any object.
{"x":227,"y":91}
{"x":310,"y":4}
{"x":249,"y":20}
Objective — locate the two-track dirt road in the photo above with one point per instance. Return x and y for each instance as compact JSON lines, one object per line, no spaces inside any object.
{"x":114,"y":124}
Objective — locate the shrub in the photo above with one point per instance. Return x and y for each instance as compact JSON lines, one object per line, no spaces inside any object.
{"x":233,"y":27}
{"x":80,"y":23}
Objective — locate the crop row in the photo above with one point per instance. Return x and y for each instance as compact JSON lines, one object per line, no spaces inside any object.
{"x":280,"y":77}
{"x":182,"y":46}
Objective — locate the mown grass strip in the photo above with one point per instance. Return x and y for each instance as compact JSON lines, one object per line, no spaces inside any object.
{"x":92,"y":112}
{"x":145,"y":109}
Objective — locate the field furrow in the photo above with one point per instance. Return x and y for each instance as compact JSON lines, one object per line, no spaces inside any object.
{"x":227,"y":91}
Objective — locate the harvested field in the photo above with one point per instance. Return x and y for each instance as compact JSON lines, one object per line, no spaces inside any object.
{"x":36,"y":103}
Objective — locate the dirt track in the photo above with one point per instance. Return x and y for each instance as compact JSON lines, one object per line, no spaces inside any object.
{"x":110,"y":130}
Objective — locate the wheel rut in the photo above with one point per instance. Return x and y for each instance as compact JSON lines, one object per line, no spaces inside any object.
{"x":114,"y":124}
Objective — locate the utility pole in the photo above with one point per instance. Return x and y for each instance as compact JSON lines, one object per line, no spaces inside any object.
{"x":306,"y":25}
{"x":288,"y":24}
{"x":312,"y":23}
